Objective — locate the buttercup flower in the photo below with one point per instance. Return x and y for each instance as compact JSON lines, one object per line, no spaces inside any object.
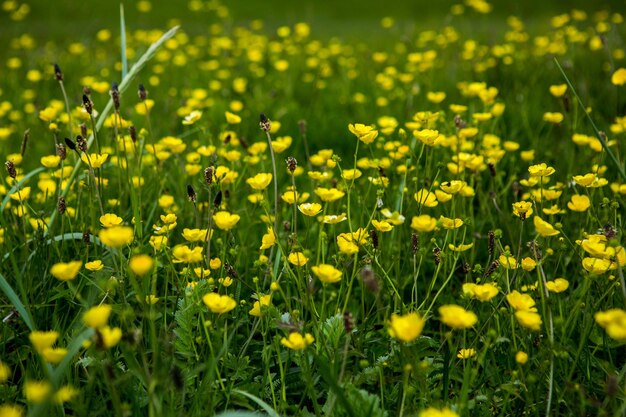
{"x":457,"y":317}
{"x":219,"y":303}
{"x":296,"y":341}
{"x":406,"y":328}
{"x":66,"y":271}
{"x":327,"y":273}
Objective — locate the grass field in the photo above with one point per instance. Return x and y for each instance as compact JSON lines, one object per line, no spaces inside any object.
{"x":314,"y":209}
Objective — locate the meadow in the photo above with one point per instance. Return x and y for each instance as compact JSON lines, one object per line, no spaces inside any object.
{"x":351,"y":209}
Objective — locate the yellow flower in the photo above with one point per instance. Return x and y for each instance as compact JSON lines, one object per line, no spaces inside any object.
{"x":5,"y":373}
{"x":558,"y":285}
{"x":436,"y":96}
{"x":196,"y":235}
{"x":94,"y":159}
{"x":110,"y":336}
{"x":310,"y":209}
{"x":192,"y":117}
{"x":457,"y":317}
{"x":329,"y":194}
{"x":540,"y":170}
{"x":141,"y":264}
{"x":37,"y":391}
{"x":54,"y":355}
{"x":281,"y":143}
{"x":466,"y":353}
{"x":260,"y":181}
{"x":327,"y":273}
{"x":450,"y":224}
{"x":553,"y":117}
{"x":297,"y":259}
{"x":507,"y":262}
{"x":437,"y":412}
{"x":117,"y":236}
{"x":66,"y":271}
{"x":520,"y":302}
{"x":42,"y":340}
{"x":232,"y":118}
{"x":382,"y":225}
{"x":65,"y":394}
{"x":523,"y":209}
{"x":452,"y":187}
{"x":406,"y":328}
{"x":225,"y":220}
{"x":529,"y":319}
{"x":558,"y":90}
{"x":351,"y":174}
{"x":528,"y":264}
{"x":364,"y":133}
{"x":94,"y":265}
{"x":334,"y":218}
{"x":521,"y":357}
{"x":264,"y":300}
{"x":97,"y":316}
{"x":219,"y":303}
{"x":269,"y":239}
{"x":423,"y":223}
{"x":579,"y":203}
{"x":50,"y":161}
{"x":544,"y":228}
{"x":296,"y":341}
{"x":184,"y":254}
{"x":152,"y":299}
{"x":618,"y":77}
{"x":426,"y":198}
{"x":427,"y":136}
{"x":480,"y":292}
{"x":613,"y":321}
{"x":346,"y":244}
{"x":11,"y":410}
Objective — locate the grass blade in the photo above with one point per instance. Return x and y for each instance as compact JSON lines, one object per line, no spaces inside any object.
{"x":123,"y":41}
{"x":269,"y":410}
{"x":17,"y":303}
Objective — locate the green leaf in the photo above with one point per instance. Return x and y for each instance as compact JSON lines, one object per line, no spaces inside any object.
{"x":269,"y":410}
{"x":17,"y":303}
{"x":123,"y":41}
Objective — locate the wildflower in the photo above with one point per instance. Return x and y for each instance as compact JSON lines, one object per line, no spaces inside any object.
{"x":219,"y":303}
{"x":480,"y":292}
{"x":558,"y":285}
{"x":117,"y":236}
{"x":66,"y":271}
{"x":579,"y":203}
{"x":423,"y":223}
{"x":351,"y":174}
{"x":97,"y":316}
{"x":37,"y":391}
{"x":11,"y":410}
{"x":297,"y":259}
{"x":406,"y":328}
{"x":110,"y":336}
{"x":152,"y":299}
{"x":94,"y":159}
{"x":269,"y":239}
{"x":521,"y":357}
{"x":426,"y":198}
{"x":364,"y":133}
{"x":50,"y":161}
{"x":427,"y":136}
{"x":260,"y":181}
{"x":54,"y":355}
{"x":540,"y":170}
{"x":225,"y":220}
{"x":334,"y":218}
{"x":558,"y":90}
{"x":437,"y":412}
{"x":232,"y":118}
{"x":619,"y":77}
{"x":523,"y":209}
{"x":64,"y":394}
{"x":327,"y":273}
{"x":457,"y":317}
{"x":529,"y":319}
{"x":328,"y":194}
{"x":553,"y":117}
{"x":450,"y":224}
{"x":196,"y":235}
{"x":613,"y":321}
{"x":42,"y":340}
{"x":520,"y":302}
{"x":310,"y":209}
{"x":544,"y":228}
{"x":5,"y":373}
{"x":507,"y":262}
{"x":296,"y":341}
{"x":264,"y":300}
{"x":461,"y":247}
{"x":141,"y":264}
{"x":184,"y":254}
{"x":528,"y":264}
{"x":192,"y":117}
{"x":466,"y":353}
